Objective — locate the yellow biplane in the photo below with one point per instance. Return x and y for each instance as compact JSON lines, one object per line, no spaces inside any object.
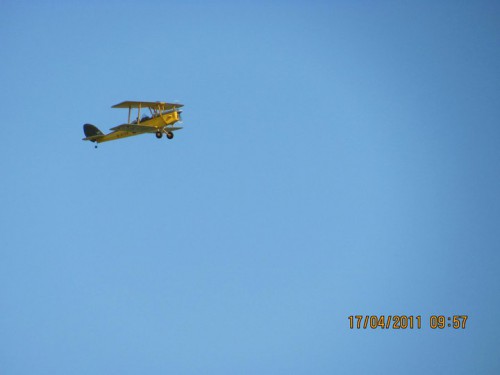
{"x":161,"y":121}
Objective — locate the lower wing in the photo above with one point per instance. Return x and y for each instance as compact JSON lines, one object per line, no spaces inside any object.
{"x":139,"y":129}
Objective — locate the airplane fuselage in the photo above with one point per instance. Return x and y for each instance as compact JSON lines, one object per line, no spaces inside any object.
{"x":159,"y":122}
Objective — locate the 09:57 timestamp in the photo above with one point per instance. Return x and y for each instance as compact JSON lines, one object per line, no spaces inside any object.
{"x":406,"y":321}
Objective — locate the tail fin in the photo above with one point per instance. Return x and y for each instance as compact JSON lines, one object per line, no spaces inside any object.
{"x":92,"y":133}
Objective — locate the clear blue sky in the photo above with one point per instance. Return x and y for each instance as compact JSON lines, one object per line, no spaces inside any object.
{"x":338,"y":158}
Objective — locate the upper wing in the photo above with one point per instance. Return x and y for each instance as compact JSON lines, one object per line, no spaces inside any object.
{"x":158,"y":105}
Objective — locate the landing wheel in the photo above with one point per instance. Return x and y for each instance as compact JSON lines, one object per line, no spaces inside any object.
{"x":159,"y":135}
{"x":170,"y":135}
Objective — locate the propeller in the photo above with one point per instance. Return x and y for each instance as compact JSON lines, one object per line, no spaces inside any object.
{"x":179,"y":111}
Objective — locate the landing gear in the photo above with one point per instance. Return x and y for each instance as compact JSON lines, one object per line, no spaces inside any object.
{"x":170,"y":135}
{"x":159,"y":134}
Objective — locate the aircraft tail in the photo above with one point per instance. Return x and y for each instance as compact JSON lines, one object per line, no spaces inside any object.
{"x":92,"y":133}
